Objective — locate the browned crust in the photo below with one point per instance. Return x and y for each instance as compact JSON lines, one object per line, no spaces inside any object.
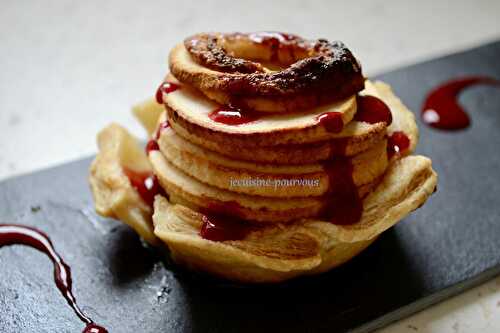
{"x":330,"y":67}
{"x":207,"y":51}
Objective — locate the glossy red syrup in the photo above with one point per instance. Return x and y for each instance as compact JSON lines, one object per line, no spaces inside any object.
{"x":371,"y":109}
{"x":397,"y":143}
{"x":338,"y":147}
{"x":332,"y":121}
{"x":145,"y":183}
{"x":165,"y":88}
{"x":162,"y":127}
{"x":229,"y":115}
{"x":345,"y":206}
{"x":441,"y":108}
{"x":219,"y":228}
{"x":221,"y":224}
{"x":11,"y":234}
{"x":152,"y":145}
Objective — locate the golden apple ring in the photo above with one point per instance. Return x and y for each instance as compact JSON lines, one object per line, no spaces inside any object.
{"x":271,"y":72}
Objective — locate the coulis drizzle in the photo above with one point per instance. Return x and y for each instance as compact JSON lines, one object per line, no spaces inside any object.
{"x":165,"y":88}
{"x":441,"y":108}
{"x":397,"y":143}
{"x":219,"y":228}
{"x":152,"y":145}
{"x":345,"y":205}
{"x":331,"y":121}
{"x":372,"y":110}
{"x":13,"y":234}
{"x":220,"y":224}
{"x":145,"y":183}
{"x":233,"y":116}
{"x":162,"y":127}
{"x":369,"y":109}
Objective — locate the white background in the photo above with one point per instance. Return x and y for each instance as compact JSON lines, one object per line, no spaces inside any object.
{"x":68,"y":68}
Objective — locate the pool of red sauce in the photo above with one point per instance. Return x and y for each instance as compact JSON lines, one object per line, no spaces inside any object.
{"x":397,"y":143}
{"x":145,"y":183}
{"x":441,"y":108}
{"x":233,"y":116}
{"x":220,"y":224}
{"x":12,"y":234}
{"x":219,"y":228}
{"x":372,"y":110}
{"x":332,"y":121}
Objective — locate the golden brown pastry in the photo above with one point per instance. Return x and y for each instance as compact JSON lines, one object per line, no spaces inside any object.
{"x":257,"y":172}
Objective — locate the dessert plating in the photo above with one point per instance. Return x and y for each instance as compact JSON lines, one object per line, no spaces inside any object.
{"x":272,"y":158}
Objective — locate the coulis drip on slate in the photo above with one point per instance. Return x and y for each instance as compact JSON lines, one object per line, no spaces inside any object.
{"x":11,"y":234}
{"x":441,"y":108}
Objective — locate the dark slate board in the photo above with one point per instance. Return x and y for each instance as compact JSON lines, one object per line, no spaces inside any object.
{"x":452,"y":243}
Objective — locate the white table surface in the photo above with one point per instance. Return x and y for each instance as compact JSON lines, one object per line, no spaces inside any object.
{"x":68,"y":68}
